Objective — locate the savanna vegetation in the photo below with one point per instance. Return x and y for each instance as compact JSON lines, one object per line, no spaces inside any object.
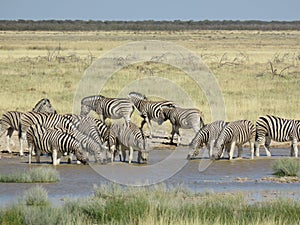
{"x":257,"y":71}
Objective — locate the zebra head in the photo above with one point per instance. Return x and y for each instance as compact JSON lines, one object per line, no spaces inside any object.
{"x":89,"y":103}
{"x":44,"y":106}
{"x":143,"y":156}
{"x":164,"y":111}
{"x":137,"y":95}
{"x":217,"y":152}
{"x":82,"y":157}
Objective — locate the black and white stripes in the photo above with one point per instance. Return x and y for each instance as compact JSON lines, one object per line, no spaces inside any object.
{"x":235,"y":133}
{"x":11,"y":119}
{"x":114,"y":108}
{"x":149,"y":110}
{"x":278,"y":129}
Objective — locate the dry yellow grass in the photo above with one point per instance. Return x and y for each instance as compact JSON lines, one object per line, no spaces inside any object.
{"x":50,"y":64}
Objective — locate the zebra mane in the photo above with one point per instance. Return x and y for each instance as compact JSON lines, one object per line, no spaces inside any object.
{"x":137,"y":95}
{"x":40,"y":103}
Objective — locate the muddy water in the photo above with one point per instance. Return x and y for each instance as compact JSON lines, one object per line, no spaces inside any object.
{"x":238,"y":175}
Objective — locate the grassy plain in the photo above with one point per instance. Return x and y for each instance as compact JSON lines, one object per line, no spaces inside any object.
{"x":257,"y":71}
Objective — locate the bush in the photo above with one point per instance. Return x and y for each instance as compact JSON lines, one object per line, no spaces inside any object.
{"x":287,"y":167}
{"x":36,"y":196}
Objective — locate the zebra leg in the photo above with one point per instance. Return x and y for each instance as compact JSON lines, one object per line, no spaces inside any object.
{"x":29,"y":154}
{"x":54,"y":157}
{"x":130,"y":154}
{"x":38,"y":156}
{"x":252,"y":148}
{"x":232,"y":146}
{"x":294,"y":149}
{"x":22,"y":139}
{"x":240,"y":150}
{"x":267,"y":146}
{"x":149,"y":126}
{"x":8,"y":139}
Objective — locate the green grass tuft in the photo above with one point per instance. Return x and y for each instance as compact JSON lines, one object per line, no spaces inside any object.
{"x":287,"y":167}
{"x":36,"y":196}
{"x":32,"y":175}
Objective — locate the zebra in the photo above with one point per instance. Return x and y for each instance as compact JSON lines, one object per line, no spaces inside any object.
{"x":10,"y":120}
{"x":184,"y":118}
{"x":54,"y":141}
{"x":149,"y":110}
{"x":113,"y":108}
{"x":235,"y":133}
{"x":207,"y":135}
{"x":48,"y":120}
{"x":93,"y":131}
{"x":271,"y":127}
{"x":130,"y":136}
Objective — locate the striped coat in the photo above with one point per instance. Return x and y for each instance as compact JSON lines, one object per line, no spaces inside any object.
{"x":235,"y":133}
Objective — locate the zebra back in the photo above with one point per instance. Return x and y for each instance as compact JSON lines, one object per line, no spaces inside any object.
{"x":184,"y":117}
{"x":48,"y":120}
{"x":279,"y":129}
{"x":153,"y":110}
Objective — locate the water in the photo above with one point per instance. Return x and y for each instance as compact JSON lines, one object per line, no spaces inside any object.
{"x":239,"y":175}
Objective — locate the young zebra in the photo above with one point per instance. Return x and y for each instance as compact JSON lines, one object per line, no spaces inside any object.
{"x":235,"y":133}
{"x":278,"y":129}
{"x":54,"y":141}
{"x":10,"y":120}
{"x":149,"y":110}
{"x":45,"y":119}
{"x":113,"y":108}
{"x":206,"y":136}
{"x":185,"y":118}
{"x":131,"y":137}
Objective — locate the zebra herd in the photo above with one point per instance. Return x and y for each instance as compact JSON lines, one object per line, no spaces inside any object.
{"x":46,"y":131}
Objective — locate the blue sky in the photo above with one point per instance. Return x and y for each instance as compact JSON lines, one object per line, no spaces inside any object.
{"x":282,"y":10}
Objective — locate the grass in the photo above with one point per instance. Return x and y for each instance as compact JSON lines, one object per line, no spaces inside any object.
{"x":32,"y":175}
{"x":240,"y":60}
{"x":287,"y":167}
{"x":113,"y":204}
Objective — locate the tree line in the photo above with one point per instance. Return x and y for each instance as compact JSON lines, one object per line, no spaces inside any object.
{"x":176,"y":25}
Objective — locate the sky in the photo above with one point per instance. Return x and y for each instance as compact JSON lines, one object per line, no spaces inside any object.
{"x":133,"y":10}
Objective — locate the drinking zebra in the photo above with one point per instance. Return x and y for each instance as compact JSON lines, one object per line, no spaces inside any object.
{"x":278,"y":129}
{"x":185,"y":118}
{"x":113,"y":108}
{"x":130,"y":137}
{"x":10,"y":120}
{"x":235,"y":133}
{"x":54,"y":141}
{"x":149,"y":110}
{"x":93,"y":132}
{"x":206,"y":136}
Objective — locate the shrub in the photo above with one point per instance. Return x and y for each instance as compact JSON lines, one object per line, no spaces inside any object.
{"x":36,"y":196}
{"x":287,"y":167}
